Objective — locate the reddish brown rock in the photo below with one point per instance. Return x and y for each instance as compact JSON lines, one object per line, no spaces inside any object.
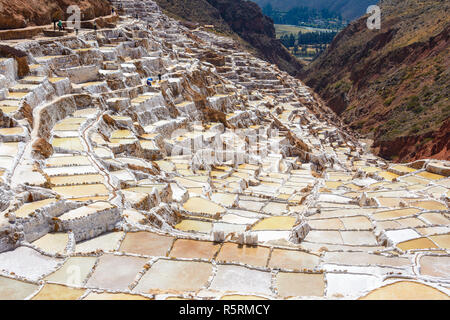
{"x":22,"y":13}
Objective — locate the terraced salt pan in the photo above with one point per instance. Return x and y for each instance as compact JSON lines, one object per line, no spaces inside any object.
{"x":435,"y":266}
{"x":293,"y":260}
{"x":285,"y":191}
{"x":245,"y":214}
{"x":53,"y":243}
{"x":391,"y":201}
{"x":275,"y":223}
{"x":437,"y":192}
{"x":241,"y":297}
{"x":16,"y":95}
{"x":363,"y":258}
{"x":427,"y":231}
{"x":11,"y":131}
{"x":82,"y":191}
{"x":6,"y":162}
{"x":255,"y":256}
{"x":11,"y":289}
{"x":324,"y":224}
{"x":275,"y":208}
{"x":191,"y":249}
{"x":237,"y":219}
{"x":228,"y":228}
{"x":64,"y":160}
{"x":86,"y":210}
{"x":106,"y":242}
{"x":103,"y":153}
{"x":204,"y":207}
{"x":402,"y":235}
{"x":71,"y":144}
{"x":430,"y":176}
{"x":403,"y":169}
{"x":224,"y":199}
{"x":122,"y":134}
{"x":65,"y":134}
{"x":230,"y":278}
{"x":417,"y":244}
{"x":435,"y":218}
{"x":388,"y":175}
{"x":358,"y":238}
{"x":251,"y":205}
{"x":442,"y":240}
{"x":188,"y":183}
{"x":194,"y":226}
{"x":146,"y":243}
{"x":77,"y":180}
{"x":74,"y":271}
{"x":116,"y":272}
{"x":406,"y":290}
{"x":416,"y":180}
{"x":27,"y":263}
{"x":85,"y":113}
{"x":121,"y":141}
{"x":390,"y":194}
{"x":58,"y":292}
{"x":8,"y":109}
{"x":333,"y":198}
{"x":67,"y":126}
{"x":113,"y":296}
{"x":429,"y":205}
{"x":300,"y":284}
{"x":166,"y":166}
{"x":324,"y":237}
{"x":28,"y":208}
{"x":123,"y":175}
{"x":392,"y":214}
{"x":272,"y":236}
{"x":349,"y":285}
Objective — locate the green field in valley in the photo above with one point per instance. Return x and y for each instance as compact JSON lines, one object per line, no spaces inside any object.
{"x":282,"y":29}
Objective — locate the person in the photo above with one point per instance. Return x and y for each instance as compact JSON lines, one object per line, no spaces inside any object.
{"x":112,"y":11}
{"x":54,"y":24}
{"x":149,"y":82}
{"x":159,"y":77}
{"x":60,"y":25}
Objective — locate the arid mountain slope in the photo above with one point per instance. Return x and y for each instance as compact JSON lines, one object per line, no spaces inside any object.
{"x":393,"y":84}
{"x":25,"y":13}
{"x":243,"y":18}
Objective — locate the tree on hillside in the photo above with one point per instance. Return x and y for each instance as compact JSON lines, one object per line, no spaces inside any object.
{"x":292,"y":40}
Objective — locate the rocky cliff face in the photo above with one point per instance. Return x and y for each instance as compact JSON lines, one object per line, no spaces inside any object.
{"x":243,"y":18}
{"x":392,"y":85}
{"x":20,"y":13}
